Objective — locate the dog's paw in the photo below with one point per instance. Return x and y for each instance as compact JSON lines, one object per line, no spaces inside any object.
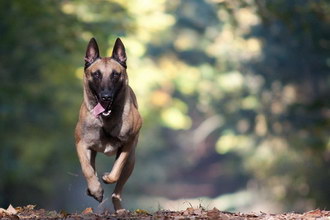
{"x":96,"y":194}
{"x":122,"y":212}
{"x":108,"y":179}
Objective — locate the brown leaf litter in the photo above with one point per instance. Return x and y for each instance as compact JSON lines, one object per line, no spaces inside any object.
{"x":29,"y":212}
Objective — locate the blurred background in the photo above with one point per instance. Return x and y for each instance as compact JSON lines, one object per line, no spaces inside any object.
{"x":235,"y":96}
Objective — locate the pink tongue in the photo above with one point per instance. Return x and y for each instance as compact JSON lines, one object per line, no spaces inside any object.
{"x":98,"y":109}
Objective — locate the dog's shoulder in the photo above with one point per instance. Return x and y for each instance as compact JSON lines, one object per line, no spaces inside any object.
{"x":133,"y":98}
{"x":87,"y":120}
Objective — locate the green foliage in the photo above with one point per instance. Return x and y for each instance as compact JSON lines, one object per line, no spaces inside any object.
{"x":41,"y":48}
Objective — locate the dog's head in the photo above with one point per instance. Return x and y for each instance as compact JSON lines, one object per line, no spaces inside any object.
{"x":105,"y":77}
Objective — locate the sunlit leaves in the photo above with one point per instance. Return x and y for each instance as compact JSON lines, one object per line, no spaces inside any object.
{"x":230,"y":82}
{"x":229,"y":142}
{"x":175,"y":119}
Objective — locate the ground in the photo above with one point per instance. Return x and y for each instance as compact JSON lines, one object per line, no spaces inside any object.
{"x":31,"y":212}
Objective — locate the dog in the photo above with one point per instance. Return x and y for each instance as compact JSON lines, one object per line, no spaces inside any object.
{"x":109,"y":120}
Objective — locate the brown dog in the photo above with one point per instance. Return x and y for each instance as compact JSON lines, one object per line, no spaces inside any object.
{"x":109,"y":121}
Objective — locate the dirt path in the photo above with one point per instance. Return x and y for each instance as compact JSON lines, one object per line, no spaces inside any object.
{"x":30,"y":212}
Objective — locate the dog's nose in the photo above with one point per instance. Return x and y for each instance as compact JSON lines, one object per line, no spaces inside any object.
{"x":105,"y":97}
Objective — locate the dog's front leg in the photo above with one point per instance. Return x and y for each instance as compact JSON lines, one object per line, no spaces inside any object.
{"x":87,"y":162}
{"x":117,"y":168}
{"x":123,"y":155}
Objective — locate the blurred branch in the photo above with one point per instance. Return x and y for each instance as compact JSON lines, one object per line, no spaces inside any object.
{"x":205,"y":129}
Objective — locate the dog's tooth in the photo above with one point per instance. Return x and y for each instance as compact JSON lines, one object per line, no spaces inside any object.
{"x":106,"y":113}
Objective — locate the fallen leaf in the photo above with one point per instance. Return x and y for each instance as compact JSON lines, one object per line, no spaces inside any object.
{"x":214,"y":213}
{"x":19,"y":209}
{"x":141,"y":211}
{"x":122,"y":212}
{"x":11,"y":210}
{"x":188,"y":211}
{"x":64,"y":213}
{"x":51,"y":214}
{"x":87,"y":211}
{"x":198,"y":211}
{"x":30,"y":207}
{"x":315,"y":213}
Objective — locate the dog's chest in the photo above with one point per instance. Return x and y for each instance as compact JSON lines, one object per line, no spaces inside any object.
{"x":106,"y":136}
{"x":108,"y":149}
{"x":108,"y":142}
{"x":104,"y":143}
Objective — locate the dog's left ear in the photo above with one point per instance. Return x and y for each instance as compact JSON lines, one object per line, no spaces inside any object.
{"x":118,"y":53}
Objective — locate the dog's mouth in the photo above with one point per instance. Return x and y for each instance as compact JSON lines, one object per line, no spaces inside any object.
{"x":102,"y":108}
{"x":107,"y":107}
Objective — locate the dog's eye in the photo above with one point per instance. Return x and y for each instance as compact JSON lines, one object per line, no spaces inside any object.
{"x":97,"y":75}
{"x":115,"y":75}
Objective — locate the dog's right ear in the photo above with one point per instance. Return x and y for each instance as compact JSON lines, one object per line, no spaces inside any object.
{"x":92,"y":53}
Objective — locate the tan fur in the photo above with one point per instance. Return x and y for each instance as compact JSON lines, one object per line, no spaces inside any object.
{"x":114,"y":135}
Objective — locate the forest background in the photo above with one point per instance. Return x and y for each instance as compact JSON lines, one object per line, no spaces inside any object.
{"x":235,"y":96}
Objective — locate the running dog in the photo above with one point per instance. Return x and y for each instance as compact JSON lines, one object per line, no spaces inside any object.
{"x":109,"y":121}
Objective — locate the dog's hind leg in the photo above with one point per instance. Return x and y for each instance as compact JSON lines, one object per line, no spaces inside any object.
{"x":121,"y":171}
{"x":127,"y":171}
{"x":87,"y":161}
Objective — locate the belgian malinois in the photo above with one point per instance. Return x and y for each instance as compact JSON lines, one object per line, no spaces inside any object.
{"x":109,"y":121}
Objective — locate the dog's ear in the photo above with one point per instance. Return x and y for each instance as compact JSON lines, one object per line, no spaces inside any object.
{"x":118,"y":53}
{"x":92,"y":52}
